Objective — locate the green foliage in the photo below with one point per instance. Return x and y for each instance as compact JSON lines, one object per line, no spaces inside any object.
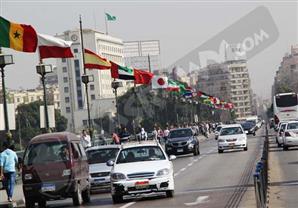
{"x":61,"y":121}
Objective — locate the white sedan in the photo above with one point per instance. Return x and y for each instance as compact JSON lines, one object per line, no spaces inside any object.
{"x":290,"y":136}
{"x":232,"y":137}
{"x":140,"y":169}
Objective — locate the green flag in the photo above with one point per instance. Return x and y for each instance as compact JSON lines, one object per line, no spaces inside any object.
{"x":110,"y":17}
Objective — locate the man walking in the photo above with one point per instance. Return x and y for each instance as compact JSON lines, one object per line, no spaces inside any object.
{"x":85,"y":139}
{"x":9,"y":160}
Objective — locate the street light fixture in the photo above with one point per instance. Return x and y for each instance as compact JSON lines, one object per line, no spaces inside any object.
{"x":115,"y":86}
{"x":42,"y":70}
{"x":86,"y":79}
{"x":5,"y":60}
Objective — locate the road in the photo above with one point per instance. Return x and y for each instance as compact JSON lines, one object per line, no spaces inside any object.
{"x":209,"y":180}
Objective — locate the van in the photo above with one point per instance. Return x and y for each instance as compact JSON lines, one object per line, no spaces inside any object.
{"x":55,"y":167}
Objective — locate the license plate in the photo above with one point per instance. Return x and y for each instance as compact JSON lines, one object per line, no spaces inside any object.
{"x":179,"y":150}
{"x":231,"y":144}
{"x":48,"y":187}
{"x":142,"y":184}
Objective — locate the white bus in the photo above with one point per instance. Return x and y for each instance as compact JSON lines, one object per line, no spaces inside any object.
{"x":285,"y":107}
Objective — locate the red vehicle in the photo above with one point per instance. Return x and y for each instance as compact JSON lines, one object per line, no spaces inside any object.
{"x":55,"y":167}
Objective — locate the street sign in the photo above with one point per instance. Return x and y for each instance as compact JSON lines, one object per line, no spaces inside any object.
{"x":51,"y":113}
{"x":11,"y":117}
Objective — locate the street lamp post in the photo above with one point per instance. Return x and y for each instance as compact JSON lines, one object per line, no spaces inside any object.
{"x":42,"y":70}
{"x":115,"y":86}
{"x":86,"y":79}
{"x":5,"y":60}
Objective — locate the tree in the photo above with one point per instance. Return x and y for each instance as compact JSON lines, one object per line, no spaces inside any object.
{"x":61,"y":121}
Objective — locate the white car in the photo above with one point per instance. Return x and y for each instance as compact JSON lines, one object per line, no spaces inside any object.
{"x":141,"y":168}
{"x":231,"y":137}
{"x":99,"y":172}
{"x":290,"y":136}
{"x":279,"y":134}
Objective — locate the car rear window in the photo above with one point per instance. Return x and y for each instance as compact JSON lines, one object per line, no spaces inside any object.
{"x":231,"y":131}
{"x":46,"y":152}
{"x":101,"y":155}
{"x":292,"y":126}
{"x":180,"y":133}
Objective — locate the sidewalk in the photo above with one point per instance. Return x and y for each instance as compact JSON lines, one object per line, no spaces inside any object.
{"x":18,"y":197}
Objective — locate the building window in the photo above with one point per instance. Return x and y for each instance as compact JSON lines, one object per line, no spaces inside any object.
{"x":92,"y":97}
{"x":67,"y":99}
{"x":66,"y":89}
{"x":64,"y":69}
{"x":65,"y":79}
{"x":293,"y":66}
{"x":67,"y":109}
{"x":75,"y":50}
{"x":92,"y":87}
{"x":85,"y":123}
{"x":18,"y":100}
{"x":63,"y":60}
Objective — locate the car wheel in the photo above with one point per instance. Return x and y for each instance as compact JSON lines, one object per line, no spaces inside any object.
{"x":86,"y":195}
{"x":278,"y":144}
{"x":254,"y":134}
{"x":220,"y":151}
{"x":195,"y":151}
{"x":245,"y":148}
{"x":42,"y":204}
{"x":77,"y":197}
{"x":285,"y":148}
{"x":29,"y":203}
{"x":117,"y":199}
{"x":170,"y":193}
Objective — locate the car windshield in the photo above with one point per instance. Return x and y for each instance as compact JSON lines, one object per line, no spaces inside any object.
{"x":218,"y":128}
{"x":231,"y":131}
{"x":101,"y":155}
{"x":247,"y":125}
{"x":41,"y":153}
{"x":292,"y":126}
{"x":138,"y":154}
{"x":180,"y":133}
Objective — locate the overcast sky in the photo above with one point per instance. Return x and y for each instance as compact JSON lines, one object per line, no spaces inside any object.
{"x":180,"y":26}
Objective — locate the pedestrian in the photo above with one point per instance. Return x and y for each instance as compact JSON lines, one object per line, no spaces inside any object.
{"x":166,"y":133}
{"x":85,"y":139}
{"x":115,"y":138}
{"x":9,"y":160}
{"x":155,"y":134}
{"x":160,"y":134}
{"x":143,"y":134}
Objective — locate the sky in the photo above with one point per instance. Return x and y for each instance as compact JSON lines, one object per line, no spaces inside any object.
{"x":181,"y":26}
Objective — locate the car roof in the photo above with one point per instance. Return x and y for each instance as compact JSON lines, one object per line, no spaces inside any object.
{"x":139,"y":144}
{"x":104,"y":147}
{"x":289,"y":122}
{"x":61,"y":136}
{"x":231,"y":125}
{"x":181,"y":129}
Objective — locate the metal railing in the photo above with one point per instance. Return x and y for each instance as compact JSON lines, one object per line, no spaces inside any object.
{"x":261,"y":175}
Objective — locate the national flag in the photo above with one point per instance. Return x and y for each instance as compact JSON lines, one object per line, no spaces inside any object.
{"x":142,"y":76}
{"x":110,"y":17}
{"x":159,"y":82}
{"x":121,"y":72}
{"x":19,"y":37}
{"x":94,"y":61}
{"x":52,"y":47}
{"x":172,"y":86}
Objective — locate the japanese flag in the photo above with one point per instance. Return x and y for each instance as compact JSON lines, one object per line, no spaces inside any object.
{"x":159,"y":82}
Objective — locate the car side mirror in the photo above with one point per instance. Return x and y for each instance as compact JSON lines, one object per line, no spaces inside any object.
{"x":172,"y":157}
{"x":110,"y":163}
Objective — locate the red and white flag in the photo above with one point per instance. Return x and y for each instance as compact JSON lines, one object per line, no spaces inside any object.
{"x":52,"y":47}
{"x":159,"y":82}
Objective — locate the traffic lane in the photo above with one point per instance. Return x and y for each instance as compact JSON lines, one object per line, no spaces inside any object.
{"x":104,"y":200}
{"x":215,"y":180}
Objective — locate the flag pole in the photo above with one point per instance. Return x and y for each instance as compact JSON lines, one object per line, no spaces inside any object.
{"x":85,"y":80}
{"x":106,"y":23}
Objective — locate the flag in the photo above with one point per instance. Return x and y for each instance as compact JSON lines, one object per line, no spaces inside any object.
{"x":159,"y":82}
{"x":121,"y":72}
{"x":94,"y":61}
{"x":142,"y":76}
{"x":52,"y":47}
{"x":172,"y":85}
{"x":19,"y":37}
{"x":110,"y":17}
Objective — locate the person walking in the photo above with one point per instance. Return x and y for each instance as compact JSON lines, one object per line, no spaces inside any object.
{"x":143,"y":135}
{"x":155,"y":134}
{"x":9,"y":160}
{"x":160,"y":134}
{"x":85,"y":139}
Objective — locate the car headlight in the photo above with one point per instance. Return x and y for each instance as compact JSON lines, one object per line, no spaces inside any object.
{"x":221,"y":140}
{"x":117,"y":177}
{"x":163,"y":172}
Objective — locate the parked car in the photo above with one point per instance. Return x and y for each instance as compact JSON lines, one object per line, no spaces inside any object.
{"x":141,"y":168}
{"x":182,"y":141}
{"x":249,"y":127}
{"x":279,"y":134}
{"x":55,"y":167}
{"x":232,"y":137}
{"x":99,"y":171}
{"x":290,"y":135}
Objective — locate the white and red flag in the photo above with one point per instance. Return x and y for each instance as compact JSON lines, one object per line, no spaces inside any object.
{"x":52,"y":47}
{"x":159,"y":82}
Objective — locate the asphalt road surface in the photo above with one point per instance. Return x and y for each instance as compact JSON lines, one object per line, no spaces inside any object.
{"x":208,"y":180}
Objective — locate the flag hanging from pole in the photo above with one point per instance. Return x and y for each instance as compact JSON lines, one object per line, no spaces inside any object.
{"x":159,"y":82}
{"x":142,"y":76}
{"x":94,"y":61}
{"x":52,"y":47}
{"x":172,"y":86}
{"x":19,"y":37}
{"x":110,"y":17}
{"x":121,"y":72}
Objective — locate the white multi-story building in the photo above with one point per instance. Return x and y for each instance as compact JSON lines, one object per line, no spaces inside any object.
{"x":144,"y":54}
{"x":72,"y":90}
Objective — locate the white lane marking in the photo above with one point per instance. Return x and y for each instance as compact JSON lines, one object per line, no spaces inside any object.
{"x":200,"y":200}
{"x":127,"y":205}
{"x":182,"y":169}
{"x":190,"y":164}
{"x":176,"y":174}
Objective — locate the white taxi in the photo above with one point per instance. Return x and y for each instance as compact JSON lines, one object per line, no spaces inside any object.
{"x":141,"y":168}
{"x":232,"y":137}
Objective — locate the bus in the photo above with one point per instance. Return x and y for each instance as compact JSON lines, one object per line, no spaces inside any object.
{"x":285,"y":107}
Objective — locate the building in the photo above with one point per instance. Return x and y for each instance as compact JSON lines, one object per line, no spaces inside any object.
{"x":143,"y":54}
{"x":72,"y":90}
{"x":286,"y":76}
